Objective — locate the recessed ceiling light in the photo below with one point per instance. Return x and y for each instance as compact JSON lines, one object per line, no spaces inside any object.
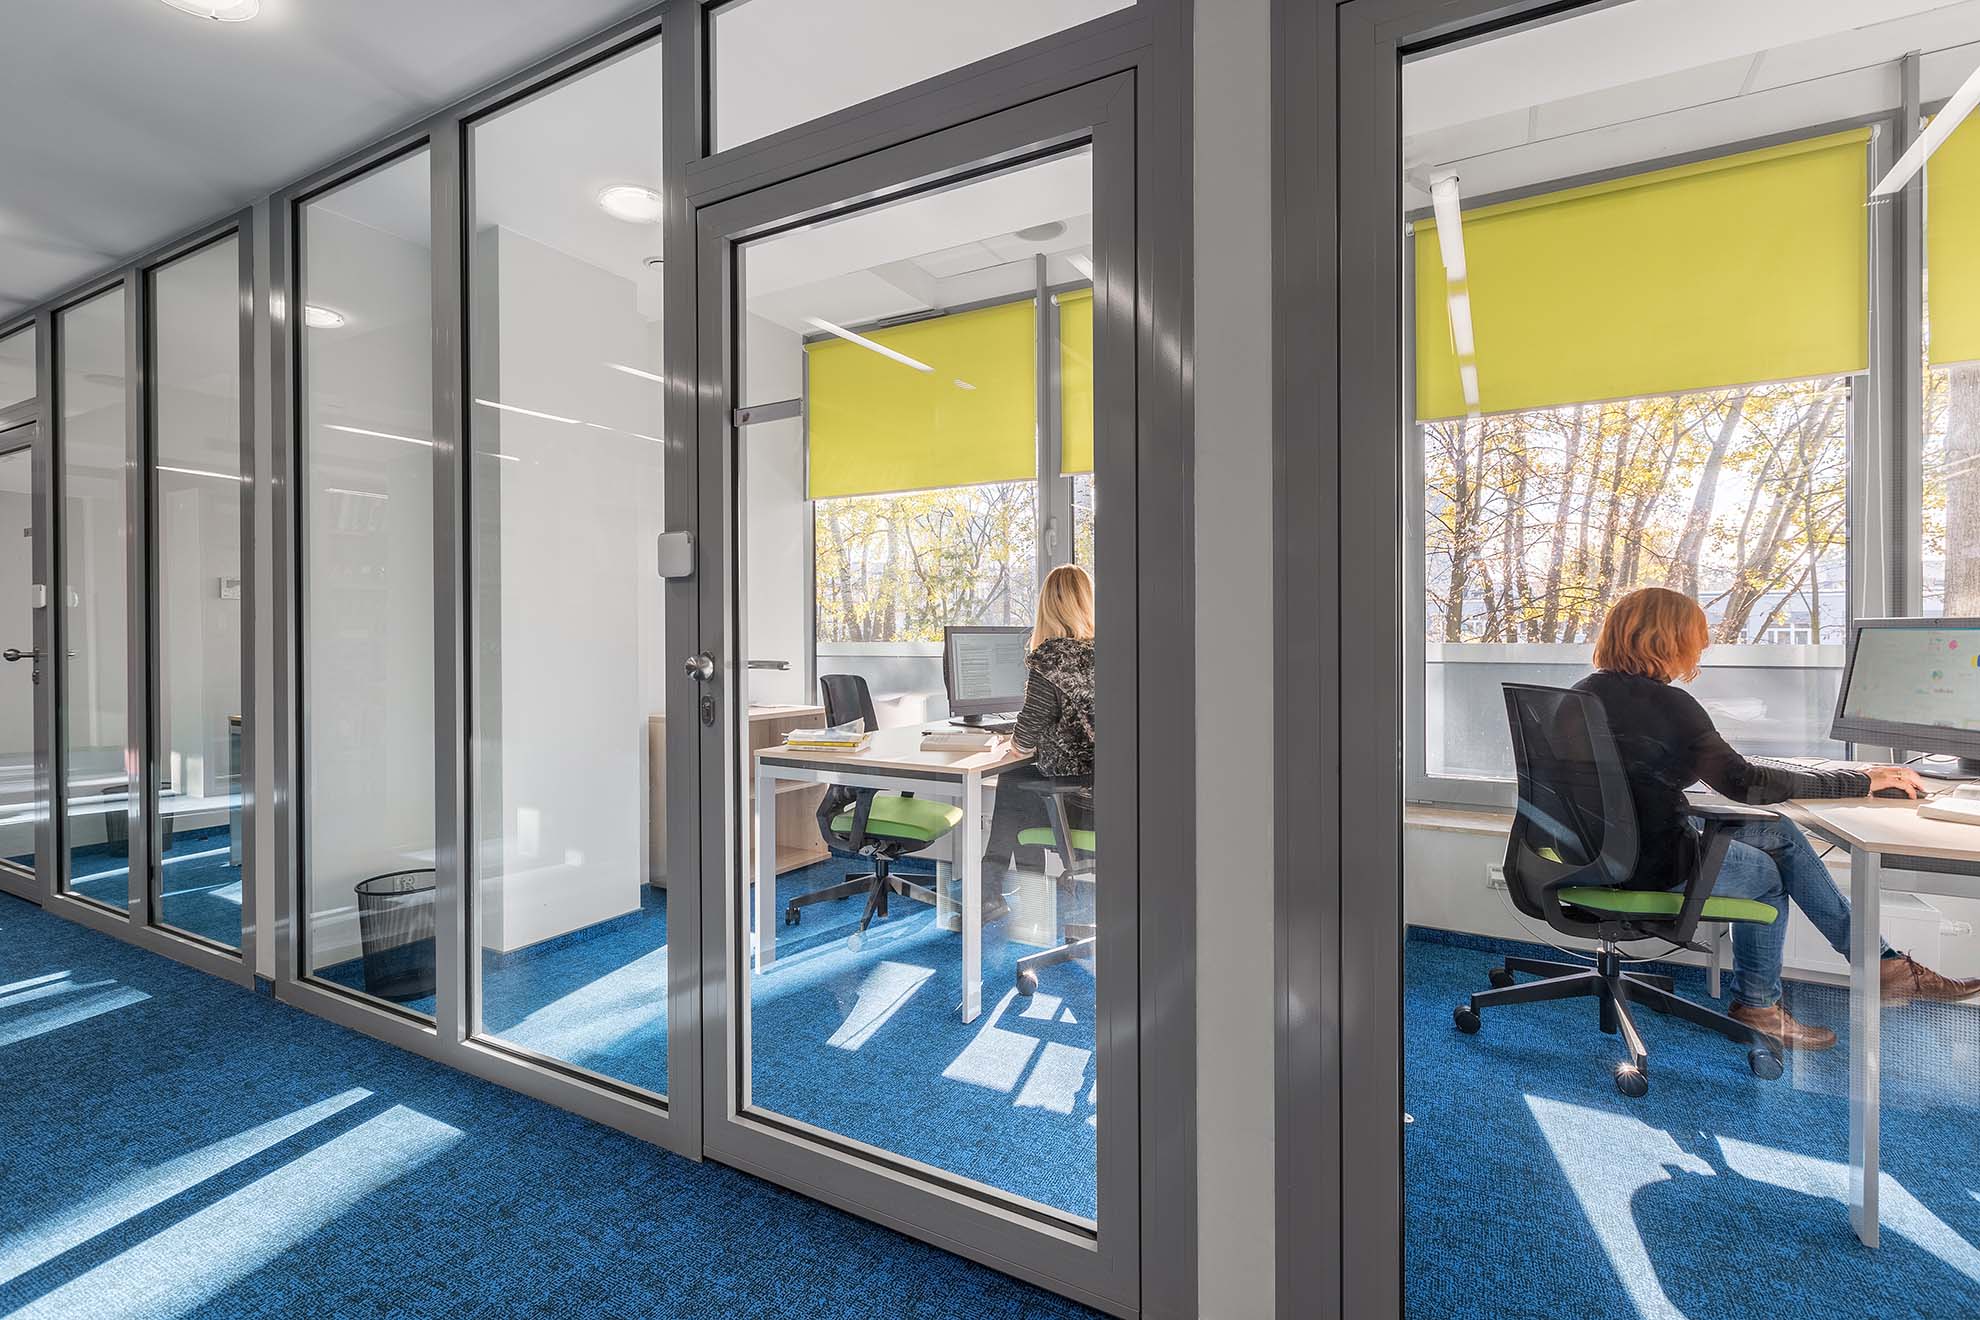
{"x":321,"y":318}
{"x":655,"y":263}
{"x":1042,"y":233}
{"x":630,"y":201}
{"x":224,"y":11}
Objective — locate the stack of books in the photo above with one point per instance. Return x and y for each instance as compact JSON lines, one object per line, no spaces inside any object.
{"x":960,"y":740}
{"x":839,"y":738}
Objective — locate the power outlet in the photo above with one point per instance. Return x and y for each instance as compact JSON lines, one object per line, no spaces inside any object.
{"x":1495,"y":876}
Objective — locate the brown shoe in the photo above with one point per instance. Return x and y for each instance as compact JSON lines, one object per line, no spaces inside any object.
{"x":1904,"y":980}
{"x":1776,"y":1023}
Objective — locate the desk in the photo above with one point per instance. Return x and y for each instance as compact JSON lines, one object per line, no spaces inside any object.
{"x":892,"y":762}
{"x":1880,"y":832}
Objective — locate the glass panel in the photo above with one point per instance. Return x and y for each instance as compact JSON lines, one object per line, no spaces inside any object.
{"x":367,"y":496}
{"x":780,"y":63}
{"x":196,"y":531}
{"x":92,"y":446}
{"x":17,"y":367}
{"x":853,"y":1007}
{"x":20,"y":807}
{"x":1085,"y":510}
{"x":570,"y":653}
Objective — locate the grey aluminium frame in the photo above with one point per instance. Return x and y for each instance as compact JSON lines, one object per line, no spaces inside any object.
{"x":1102,"y":1267}
{"x":137,"y":923}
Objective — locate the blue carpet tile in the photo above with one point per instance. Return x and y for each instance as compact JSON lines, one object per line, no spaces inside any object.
{"x":866,"y":1044}
{"x":1536,"y":1190}
{"x":200,"y":892}
{"x":267,"y":1163}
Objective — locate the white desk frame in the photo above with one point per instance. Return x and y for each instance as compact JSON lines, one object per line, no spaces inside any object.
{"x":893,"y":762}
{"x":1880,"y":833}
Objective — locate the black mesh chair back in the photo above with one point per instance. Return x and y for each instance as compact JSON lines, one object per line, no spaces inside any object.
{"x":1575,"y":823}
{"x":847,"y":698}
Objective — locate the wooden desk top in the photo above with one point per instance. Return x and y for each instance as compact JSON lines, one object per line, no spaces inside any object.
{"x":1888,"y":825}
{"x":899,"y":750}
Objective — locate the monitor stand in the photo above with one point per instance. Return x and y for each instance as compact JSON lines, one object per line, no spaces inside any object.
{"x":970,"y":721}
{"x":1947,"y":767}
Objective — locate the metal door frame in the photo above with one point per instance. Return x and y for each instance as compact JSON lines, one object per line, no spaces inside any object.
{"x":21,"y":429}
{"x":1101,"y":1267}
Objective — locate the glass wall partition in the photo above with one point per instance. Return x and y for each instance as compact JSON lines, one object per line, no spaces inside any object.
{"x":21,"y":804}
{"x":17,"y":367}
{"x":196,"y":528}
{"x":570,"y":902}
{"x":94,"y":486}
{"x":365,"y":496}
{"x":924,"y":983}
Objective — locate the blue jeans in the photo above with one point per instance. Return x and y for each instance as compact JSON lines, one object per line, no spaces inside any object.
{"x":1772,"y":862}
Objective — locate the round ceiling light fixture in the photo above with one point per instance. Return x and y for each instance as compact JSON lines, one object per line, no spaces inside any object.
{"x":655,"y":263}
{"x":1044,"y":233}
{"x":633,"y":203}
{"x":221,"y":11}
{"x":322,"y":318}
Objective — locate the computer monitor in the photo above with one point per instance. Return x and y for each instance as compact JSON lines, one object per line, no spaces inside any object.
{"x":983,"y":669}
{"x":1914,"y":684}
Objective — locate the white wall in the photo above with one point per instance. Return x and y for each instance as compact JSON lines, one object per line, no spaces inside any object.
{"x":777,"y":572}
{"x":562,"y":555}
{"x":1234,"y":722}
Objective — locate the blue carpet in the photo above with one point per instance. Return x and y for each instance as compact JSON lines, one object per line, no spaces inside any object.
{"x":266,"y":1163}
{"x":200,"y":892}
{"x":1536,"y":1190}
{"x":868,"y":1045}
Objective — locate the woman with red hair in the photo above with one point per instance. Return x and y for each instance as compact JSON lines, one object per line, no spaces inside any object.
{"x":1652,"y":639}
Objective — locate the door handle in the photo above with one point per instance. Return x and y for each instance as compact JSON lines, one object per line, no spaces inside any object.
{"x":700,"y":667}
{"x":14,"y":653}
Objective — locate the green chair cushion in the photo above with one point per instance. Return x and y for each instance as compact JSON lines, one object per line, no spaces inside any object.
{"x":1084,"y":840}
{"x":1663,"y":903}
{"x":919,"y":820}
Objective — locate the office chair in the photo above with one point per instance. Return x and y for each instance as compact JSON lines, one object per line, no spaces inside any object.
{"x":1573,"y":844}
{"x":864,"y":822}
{"x":1079,"y":852}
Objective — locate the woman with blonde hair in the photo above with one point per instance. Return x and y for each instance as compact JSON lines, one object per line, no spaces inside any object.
{"x":1652,"y":639}
{"x":1056,"y":724}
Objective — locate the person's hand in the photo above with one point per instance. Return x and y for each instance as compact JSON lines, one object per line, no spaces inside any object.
{"x":1896,"y":776}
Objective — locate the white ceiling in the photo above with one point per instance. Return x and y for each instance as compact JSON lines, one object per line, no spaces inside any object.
{"x":127,"y":122}
{"x":1656,"y":78}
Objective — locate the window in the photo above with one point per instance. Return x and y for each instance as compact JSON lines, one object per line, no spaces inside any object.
{"x":1950,"y":454}
{"x":1541,"y":505}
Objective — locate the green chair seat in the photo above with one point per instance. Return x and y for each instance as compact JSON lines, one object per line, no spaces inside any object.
{"x":920,"y":820}
{"x":1041,"y":835}
{"x":1662,"y":903}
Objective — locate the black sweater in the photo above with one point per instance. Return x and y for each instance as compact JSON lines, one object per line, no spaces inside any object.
{"x":1668,"y":743}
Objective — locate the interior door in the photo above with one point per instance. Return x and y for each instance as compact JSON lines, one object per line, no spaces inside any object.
{"x":23,"y":801}
{"x":907,"y":362}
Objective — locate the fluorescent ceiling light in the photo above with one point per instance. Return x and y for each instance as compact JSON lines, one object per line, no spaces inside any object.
{"x":1937,"y":131}
{"x":653,"y":376}
{"x":633,"y":202}
{"x":962,"y":384}
{"x":224,"y":11}
{"x":527,"y":412}
{"x":1461,"y":337}
{"x":1468,"y":378}
{"x":868,"y":344}
{"x":615,"y":430}
{"x":381,"y":435}
{"x":361,"y":494}
{"x":321,"y":318}
{"x":201,"y":472}
{"x":1450,"y":227}
{"x":1083,"y":264}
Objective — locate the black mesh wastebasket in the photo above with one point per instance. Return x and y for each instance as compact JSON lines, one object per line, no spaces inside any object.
{"x":395,"y":926}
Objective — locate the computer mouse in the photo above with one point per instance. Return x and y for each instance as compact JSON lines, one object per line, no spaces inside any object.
{"x":1891,"y":792}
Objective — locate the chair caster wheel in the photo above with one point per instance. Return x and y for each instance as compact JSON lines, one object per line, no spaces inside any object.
{"x":1766,"y":1064}
{"x":1467,"y":1019}
{"x":1027,"y":983}
{"x":792,"y":916}
{"x":1500,"y":978}
{"x":1631,"y":1081}
{"x":855,"y":940}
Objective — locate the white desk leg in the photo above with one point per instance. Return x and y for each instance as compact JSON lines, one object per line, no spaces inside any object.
{"x":970,"y":866}
{"x":1865,"y":1023}
{"x":766,"y":868}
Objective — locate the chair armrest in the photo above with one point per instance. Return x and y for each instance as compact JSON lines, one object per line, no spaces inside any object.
{"x":1054,"y":785}
{"x":1727,"y":813}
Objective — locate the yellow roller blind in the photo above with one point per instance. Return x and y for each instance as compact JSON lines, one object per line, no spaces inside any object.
{"x":1076,"y":382}
{"x":876,"y":425}
{"x":1748,"y":268}
{"x":1952,"y":254}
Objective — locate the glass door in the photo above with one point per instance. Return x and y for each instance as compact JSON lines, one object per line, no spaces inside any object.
{"x":22,"y":805}
{"x":909,"y":914}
